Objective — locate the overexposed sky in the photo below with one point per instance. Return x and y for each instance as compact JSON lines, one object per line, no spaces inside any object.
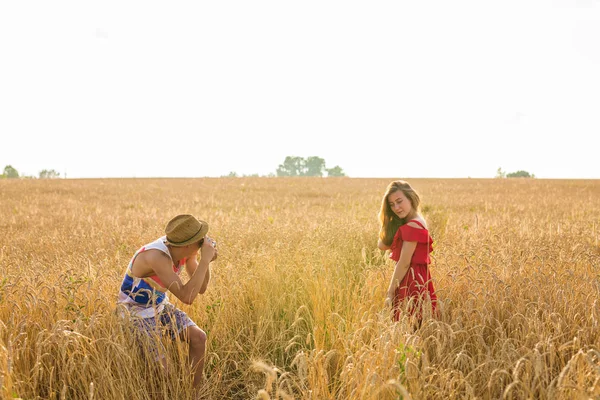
{"x":381,"y":88}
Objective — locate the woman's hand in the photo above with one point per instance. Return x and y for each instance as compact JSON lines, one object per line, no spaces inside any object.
{"x":389,"y":298}
{"x":382,"y":246}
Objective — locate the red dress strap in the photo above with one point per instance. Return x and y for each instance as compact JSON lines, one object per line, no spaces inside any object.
{"x":418,"y":222}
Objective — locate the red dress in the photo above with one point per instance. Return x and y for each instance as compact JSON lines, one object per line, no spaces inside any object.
{"x":417,"y":283}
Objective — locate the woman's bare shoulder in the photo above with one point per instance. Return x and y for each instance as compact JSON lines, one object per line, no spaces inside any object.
{"x":419,"y":219}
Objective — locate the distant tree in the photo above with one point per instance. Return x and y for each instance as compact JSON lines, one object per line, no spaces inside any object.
{"x":49,"y":174}
{"x":314,"y":166}
{"x":500,"y":173}
{"x":232,"y":174}
{"x":10,"y":172}
{"x":335,"y":171}
{"x":292,"y":166}
{"x":520,"y":174}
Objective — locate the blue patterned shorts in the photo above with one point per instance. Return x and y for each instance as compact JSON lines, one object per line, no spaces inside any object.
{"x":169,"y":322}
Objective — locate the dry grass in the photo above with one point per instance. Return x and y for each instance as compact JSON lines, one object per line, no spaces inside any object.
{"x":294,"y":309}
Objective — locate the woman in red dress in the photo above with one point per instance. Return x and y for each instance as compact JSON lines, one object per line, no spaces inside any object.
{"x":404,"y":232}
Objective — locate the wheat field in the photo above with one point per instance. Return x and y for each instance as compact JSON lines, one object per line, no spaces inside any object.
{"x":295,"y":307}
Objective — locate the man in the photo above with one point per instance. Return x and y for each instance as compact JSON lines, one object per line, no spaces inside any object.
{"x":154,"y":269}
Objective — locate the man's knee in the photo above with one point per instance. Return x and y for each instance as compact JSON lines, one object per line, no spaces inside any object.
{"x":196,"y":337}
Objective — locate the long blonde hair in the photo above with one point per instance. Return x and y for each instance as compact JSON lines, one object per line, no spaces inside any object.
{"x":390,"y":222}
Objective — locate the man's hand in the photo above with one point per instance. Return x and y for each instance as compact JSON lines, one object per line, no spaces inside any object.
{"x":208,"y":250}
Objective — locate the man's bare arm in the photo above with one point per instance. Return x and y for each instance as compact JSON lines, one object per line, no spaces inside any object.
{"x":187,"y":292}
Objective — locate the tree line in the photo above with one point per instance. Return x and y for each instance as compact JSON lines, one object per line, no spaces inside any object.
{"x":518,"y":174}
{"x":311,"y":166}
{"x":299,"y":166}
{"x":291,"y":166}
{"x":11,"y":172}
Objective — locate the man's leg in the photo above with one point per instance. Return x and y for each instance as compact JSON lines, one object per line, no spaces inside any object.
{"x":196,"y":338}
{"x":149,"y":339}
{"x":191,"y":334}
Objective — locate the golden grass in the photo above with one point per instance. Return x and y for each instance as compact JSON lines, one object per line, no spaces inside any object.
{"x":295,"y":306}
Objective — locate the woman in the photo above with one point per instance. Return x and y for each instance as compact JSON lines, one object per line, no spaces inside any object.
{"x":404,"y":232}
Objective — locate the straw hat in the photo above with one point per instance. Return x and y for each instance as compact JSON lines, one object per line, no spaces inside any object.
{"x":185,"y":229}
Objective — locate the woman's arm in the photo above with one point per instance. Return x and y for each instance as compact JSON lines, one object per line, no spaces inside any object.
{"x":382,"y":246}
{"x":408,"y":249}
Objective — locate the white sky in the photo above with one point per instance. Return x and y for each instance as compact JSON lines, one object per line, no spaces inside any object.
{"x":381,"y":88}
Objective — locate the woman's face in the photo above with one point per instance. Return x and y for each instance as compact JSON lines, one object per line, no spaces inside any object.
{"x":400,"y":204}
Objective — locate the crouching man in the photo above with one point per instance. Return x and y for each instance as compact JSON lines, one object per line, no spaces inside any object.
{"x":154,"y":270}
